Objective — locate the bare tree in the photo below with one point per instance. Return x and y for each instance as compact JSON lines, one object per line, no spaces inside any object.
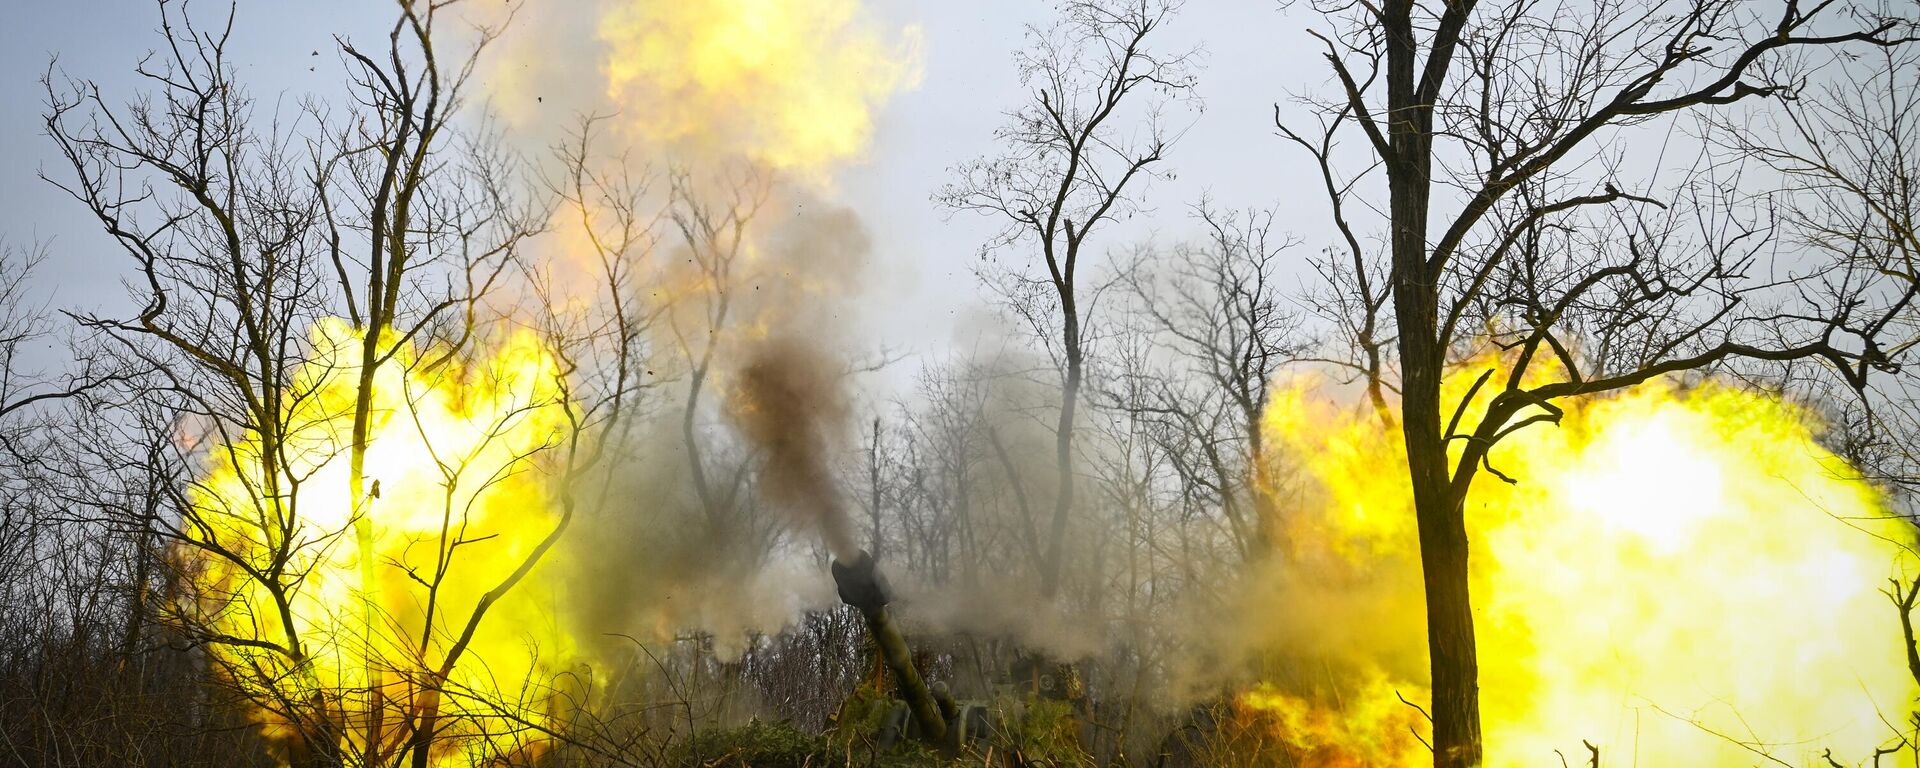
{"x":76,"y":600}
{"x":941,"y":498}
{"x":1513,"y":220}
{"x":1072,"y":166}
{"x":604,"y":342}
{"x":437,"y":237}
{"x":1848,"y":148}
{"x":713,"y":230}
{"x":1219,"y":309}
{"x":246,"y":238}
{"x":229,"y":284}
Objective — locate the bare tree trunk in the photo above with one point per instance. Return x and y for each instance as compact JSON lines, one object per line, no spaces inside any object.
{"x":1063,"y":452}
{"x":422,"y":737}
{"x":363,"y":538}
{"x":873,"y":486}
{"x":1414,"y":49}
{"x":1443,"y":535}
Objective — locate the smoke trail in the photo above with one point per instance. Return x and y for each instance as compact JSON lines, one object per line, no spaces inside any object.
{"x":784,"y":93}
{"x":789,"y":402}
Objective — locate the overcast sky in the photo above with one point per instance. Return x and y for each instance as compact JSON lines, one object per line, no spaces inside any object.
{"x":1255,"y":56}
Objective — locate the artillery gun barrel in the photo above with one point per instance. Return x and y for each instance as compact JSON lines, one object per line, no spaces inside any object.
{"x":862,"y":586}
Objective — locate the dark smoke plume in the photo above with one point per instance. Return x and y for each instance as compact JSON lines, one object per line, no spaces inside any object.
{"x":790,"y":403}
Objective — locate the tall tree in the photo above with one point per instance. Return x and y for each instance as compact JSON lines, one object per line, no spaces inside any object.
{"x":714,"y":230}
{"x":1074,"y":158}
{"x":438,"y":236}
{"x":246,"y":235}
{"x":1521,"y":238}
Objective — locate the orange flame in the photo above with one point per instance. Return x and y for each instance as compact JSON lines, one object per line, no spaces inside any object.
{"x":463,"y":497}
{"x":1682,"y":576}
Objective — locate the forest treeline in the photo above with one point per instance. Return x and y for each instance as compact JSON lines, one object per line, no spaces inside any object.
{"x":1088,"y":516}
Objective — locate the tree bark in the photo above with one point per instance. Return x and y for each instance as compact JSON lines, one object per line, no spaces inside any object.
{"x":1416,"y":297}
